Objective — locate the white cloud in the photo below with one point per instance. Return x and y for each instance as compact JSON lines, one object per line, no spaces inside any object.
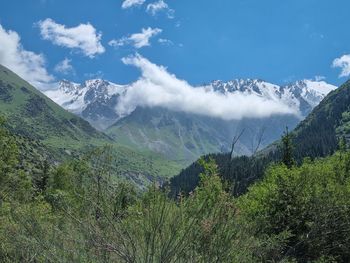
{"x":130,"y":3}
{"x":320,"y":78}
{"x":344,"y":63}
{"x":138,"y":40}
{"x":158,"y":87}
{"x":165,"y":41}
{"x":155,"y":7}
{"x":82,"y":37}
{"x":64,"y":66}
{"x":118,"y":42}
{"x":96,"y":75}
{"x":27,"y":64}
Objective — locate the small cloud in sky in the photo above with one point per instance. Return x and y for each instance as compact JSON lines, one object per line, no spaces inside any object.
{"x":82,"y":37}
{"x":320,"y":78}
{"x":97,"y":75}
{"x":343,"y":63}
{"x":165,"y":41}
{"x":316,"y":35}
{"x":65,"y":67}
{"x":132,"y":3}
{"x":27,"y":64}
{"x":138,"y":40}
{"x":156,"y":87}
{"x":160,"y":6}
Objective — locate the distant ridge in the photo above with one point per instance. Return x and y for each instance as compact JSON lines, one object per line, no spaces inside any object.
{"x":183,"y":137}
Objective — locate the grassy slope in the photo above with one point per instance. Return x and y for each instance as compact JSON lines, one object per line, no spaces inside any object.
{"x":184,"y":137}
{"x":177,"y":136}
{"x":143,"y":138}
{"x":32,"y":115}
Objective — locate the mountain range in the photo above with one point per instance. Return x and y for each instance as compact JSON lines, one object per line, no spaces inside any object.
{"x":183,"y":137}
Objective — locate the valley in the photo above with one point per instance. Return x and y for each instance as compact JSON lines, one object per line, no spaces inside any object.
{"x":183,"y":137}
{"x":158,"y":131}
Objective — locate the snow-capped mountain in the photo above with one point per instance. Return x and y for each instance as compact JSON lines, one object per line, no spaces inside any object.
{"x":303,"y":95}
{"x":95,"y":100}
{"x":181,"y":136}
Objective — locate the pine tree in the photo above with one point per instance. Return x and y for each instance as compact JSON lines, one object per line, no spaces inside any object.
{"x":342,"y":144}
{"x":287,"y":149}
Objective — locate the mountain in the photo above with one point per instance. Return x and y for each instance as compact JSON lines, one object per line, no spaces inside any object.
{"x":183,"y":137}
{"x":316,"y":136}
{"x":303,"y":95}
{"x":177,"y":136}
{"x":60,"y":134}
{"x":94,"y":100}
{"x":319,"y":134}
{"x":33,"y":115}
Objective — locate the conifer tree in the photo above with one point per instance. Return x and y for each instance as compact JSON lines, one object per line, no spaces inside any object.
{"x":287,"y":149}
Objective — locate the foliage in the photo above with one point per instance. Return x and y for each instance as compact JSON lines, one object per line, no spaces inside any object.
{"x":316,"y":136}
{"x":78,"y":212}
{"x":287,"y":150}
{"x":311,"y":203}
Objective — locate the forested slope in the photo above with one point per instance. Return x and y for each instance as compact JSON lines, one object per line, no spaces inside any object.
{"x":317,"y":136}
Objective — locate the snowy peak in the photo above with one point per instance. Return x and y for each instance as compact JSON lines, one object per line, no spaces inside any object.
{"x":77,"y":97}
{"x":96,"y":99}
{"x":310,"y":91}
{"x":243,"y":85}
{"x":95,"y":83}
{"x":320,"y":87}
{"x":68,"y":87}
{"x":302,"y":95}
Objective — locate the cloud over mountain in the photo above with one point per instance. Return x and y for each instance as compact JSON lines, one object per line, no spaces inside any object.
{"x":27,"y":64}
{"x":158,"y":87}
{"x":344,"y":63}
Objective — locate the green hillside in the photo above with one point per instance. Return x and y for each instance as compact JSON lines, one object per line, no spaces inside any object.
{"x":319,"y":134}
{"x":31,"y":115}
{"x":177,"y":136}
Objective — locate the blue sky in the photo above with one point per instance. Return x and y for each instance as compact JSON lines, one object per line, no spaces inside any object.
{"x":278,"y":41}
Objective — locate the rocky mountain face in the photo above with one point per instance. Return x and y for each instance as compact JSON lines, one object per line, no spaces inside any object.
{"x":94,"y":100}
{"x":183,"y":137}
{"x":302,"y":95}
